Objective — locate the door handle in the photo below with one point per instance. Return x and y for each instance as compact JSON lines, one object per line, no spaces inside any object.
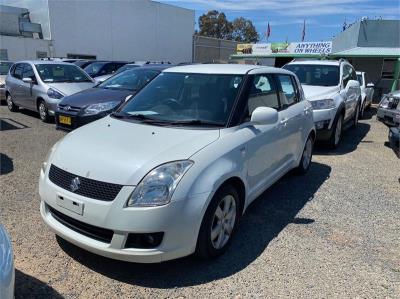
{"x":284,"y":121}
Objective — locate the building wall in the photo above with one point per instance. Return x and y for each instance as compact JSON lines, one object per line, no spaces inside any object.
{"x":379,"y":33}
{"x":21,"y":48}
{"x":208,"y":49}
{"x":121,"y":29}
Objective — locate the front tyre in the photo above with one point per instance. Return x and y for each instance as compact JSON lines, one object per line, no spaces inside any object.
{"x":356,"y":117}
{"x":306,"y":157}
{"x":219,"y":223}
{"x":336,"y":135}
{"x":10,"y":104}
{"x":43,"y":111}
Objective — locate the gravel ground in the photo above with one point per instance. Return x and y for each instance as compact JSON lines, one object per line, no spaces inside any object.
{"x":332,"y":233}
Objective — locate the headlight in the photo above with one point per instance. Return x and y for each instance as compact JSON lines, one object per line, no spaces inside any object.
{"x":96,"y":108}
{"x":323,"y":104}
{"x":54,"y":94}
{"x":384,"y":103}
{"x":157,"y":187}
{"x":2,"y":85}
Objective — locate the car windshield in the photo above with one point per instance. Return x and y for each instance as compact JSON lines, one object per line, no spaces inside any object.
{"x":94,"y":68}
{"x":132,"y":79}
{"x":317,"y":75}
{"x":185,"y":99}
{"x":4,"y":67}
{"x":70,"y":73}
{"x":126,"y":67}
{"x":359,"y":78}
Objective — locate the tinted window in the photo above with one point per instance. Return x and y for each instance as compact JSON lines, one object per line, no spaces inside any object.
{"x":181,"y":97}
{"x":346,"y":74}
{"x":61,"y":73}
{"x":133,"y":79}
{"x":262,"y":94}
{"x":317,"y":75}
{"x":28,"y":72}
{"x":19,"y":68}
{"x":127,"y":67}
{"x":288,"y":93}
{"x":94,"y":68}
{"x":4,"y":67}
{"x":360,"y":80}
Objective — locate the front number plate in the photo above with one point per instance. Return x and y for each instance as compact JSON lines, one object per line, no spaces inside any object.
{"x":71,"y":205}
{"x":66,"y":120}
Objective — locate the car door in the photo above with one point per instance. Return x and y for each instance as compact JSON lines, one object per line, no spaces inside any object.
{"x":15,"y":84}
{"x":292,"y":111}
{"x":265,"y":150}
{"x":28,"y":98}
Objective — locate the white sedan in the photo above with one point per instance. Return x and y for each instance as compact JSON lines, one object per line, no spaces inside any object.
{"x":172,"y":171}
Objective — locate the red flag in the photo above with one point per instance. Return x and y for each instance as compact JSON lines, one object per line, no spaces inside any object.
{"x":268,"y":31}
{"x":303,"y":33}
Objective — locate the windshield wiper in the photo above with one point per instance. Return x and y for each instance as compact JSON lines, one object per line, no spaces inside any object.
{"x":197,"y":122}
{"x":142,"y":117}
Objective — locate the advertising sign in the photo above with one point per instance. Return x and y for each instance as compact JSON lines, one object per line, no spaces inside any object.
{"x":311,"y":48}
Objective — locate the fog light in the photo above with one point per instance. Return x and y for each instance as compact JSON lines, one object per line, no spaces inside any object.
{"x":322,"y":124}
{"x":150,"y":240}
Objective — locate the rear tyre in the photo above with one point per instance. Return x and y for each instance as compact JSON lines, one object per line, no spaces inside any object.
{"x":10,"y":104}
{"x":219,"y":223}
{"x":336,"y":133}
{"x":362,"y":110}
{"x":43,"y":111}
{"x":306,"y":157}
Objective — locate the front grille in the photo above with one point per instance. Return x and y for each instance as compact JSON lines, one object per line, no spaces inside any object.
{"x":91,"y":231}
{"x":87,"y":187}
{"x":69,"y":108}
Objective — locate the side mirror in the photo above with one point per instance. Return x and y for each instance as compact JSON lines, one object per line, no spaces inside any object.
{"x":264,"y":116}
{"x":352,"y":83}
{"x":371,"y":85}
{"x":27,"y":80}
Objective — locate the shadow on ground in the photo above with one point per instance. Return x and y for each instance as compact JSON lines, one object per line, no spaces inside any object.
{"x":6,"y":164}
{"x":264,"y":220}
{"x":27,"y":286}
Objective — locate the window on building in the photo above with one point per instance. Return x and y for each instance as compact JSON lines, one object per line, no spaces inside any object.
{"x":41,"y":54}
{"x":388,"y":68}
{"x":3,"y":54}
{"x":81,"y":56}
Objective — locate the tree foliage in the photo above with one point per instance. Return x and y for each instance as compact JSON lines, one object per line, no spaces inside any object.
{"x":215,"y":24}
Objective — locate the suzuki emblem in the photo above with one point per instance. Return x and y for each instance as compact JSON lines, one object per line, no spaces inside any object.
{"x":75,"y":184}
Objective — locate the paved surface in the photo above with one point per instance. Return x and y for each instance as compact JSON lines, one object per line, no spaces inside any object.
{"x":332,"y":233}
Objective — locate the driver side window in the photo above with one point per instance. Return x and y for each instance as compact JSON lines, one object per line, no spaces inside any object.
{"x":346,"y":75}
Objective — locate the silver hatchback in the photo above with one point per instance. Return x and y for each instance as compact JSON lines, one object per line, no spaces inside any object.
{"x":40,"y":85}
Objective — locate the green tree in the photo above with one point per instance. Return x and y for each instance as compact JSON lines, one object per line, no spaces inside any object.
{"x":243,"y":30}
{"x":215,"y":24}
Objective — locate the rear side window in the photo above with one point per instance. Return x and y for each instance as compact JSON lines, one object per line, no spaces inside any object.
{"x":18,"y":70}
{"x":288,"y":93}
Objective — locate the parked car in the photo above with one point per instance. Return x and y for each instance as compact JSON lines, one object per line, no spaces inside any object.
{"x":131,"y":65}
{"x":394,"y":140}
{"x":83,"y":63}
{"x":4,"y":68}
{"x":40,"y":85}
{"x":334,"y":92}
{"x":7,"y":271}
{"x":172,"y":171}
{"x":389,"y":109}
{"x":367,"y":91}
{"x":101,"y":68}
{"x":94,"y":103}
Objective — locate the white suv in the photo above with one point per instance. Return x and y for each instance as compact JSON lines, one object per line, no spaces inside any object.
{"x":171,"y":172}
{"x":334,"y":92}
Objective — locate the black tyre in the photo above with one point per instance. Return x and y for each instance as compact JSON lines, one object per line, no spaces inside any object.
{"x":356,"y":117}
{"x":219,"y":223}
{"x":43,"y":111}
{"x":337,"y":131}
{"x":362,"y":110}
{"x":306,"y":157}
{"x":10,"y":104}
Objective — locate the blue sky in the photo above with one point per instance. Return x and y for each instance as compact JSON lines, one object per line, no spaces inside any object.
{"x":324,"y":18}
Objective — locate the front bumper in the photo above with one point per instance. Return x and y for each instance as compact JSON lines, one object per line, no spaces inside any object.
{"x":390,"y":117}
{"x":77,"y":119}
{"x":323,"y":120}
{"x":176,"y":220}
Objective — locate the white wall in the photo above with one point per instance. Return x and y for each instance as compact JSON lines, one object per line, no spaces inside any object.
{"x":121,"y":29}
{"x":19,"y":48}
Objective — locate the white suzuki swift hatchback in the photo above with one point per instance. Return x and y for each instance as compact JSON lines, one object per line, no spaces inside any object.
{"x":171,"y":172}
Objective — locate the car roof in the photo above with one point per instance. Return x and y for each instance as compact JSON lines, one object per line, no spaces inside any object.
{"x":316,"y":62}
{"x":44,"y":62}
{"x":227,"y":69}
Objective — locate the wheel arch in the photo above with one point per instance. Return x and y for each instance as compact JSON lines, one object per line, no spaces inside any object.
{"x":237,"y":183}
{"x":38,"y":100}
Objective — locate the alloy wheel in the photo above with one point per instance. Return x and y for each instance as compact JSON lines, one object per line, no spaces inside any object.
{"x":223,"y":222}
{"x":42,"y":110}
